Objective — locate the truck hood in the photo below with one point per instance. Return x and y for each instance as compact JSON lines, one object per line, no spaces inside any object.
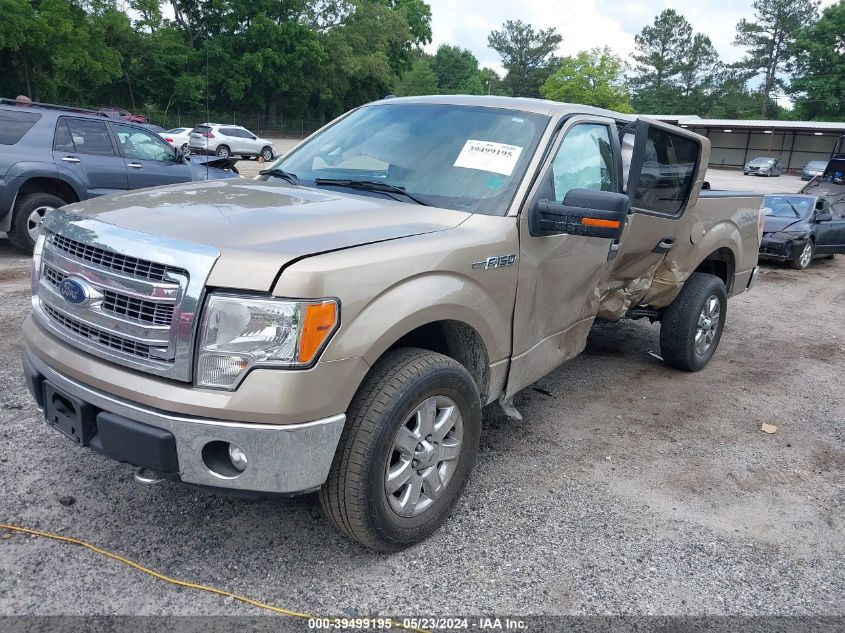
{"x":259,"y":226}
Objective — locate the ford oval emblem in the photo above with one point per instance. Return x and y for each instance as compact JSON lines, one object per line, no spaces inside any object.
{"x":75,"y":291}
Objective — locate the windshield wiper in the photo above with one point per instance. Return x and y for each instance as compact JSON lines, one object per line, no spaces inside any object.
{"x":794,"y":210}
{"x":281,"y":173}
{"x":369,"y":185}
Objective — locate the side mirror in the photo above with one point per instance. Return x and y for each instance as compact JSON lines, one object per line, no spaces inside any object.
{"x":824,"y":216}
{"x":584,"y":212}
{"x":705,"y":186}
{"x":253,"y":137}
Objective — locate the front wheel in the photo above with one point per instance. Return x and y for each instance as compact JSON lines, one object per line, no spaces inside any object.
{"x":691,"y":327}
{"x":410,"y":441}
{"x":27,"y":216}
{"x":267,"y":154}
{"x":805,"y":257}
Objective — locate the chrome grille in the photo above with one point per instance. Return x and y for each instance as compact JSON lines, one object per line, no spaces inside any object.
{"x":132,"y":266}
{"x":124,"y":305}
{"x":140,"y":294}
{"x":98,"y":336}
{"x":147,"y":311}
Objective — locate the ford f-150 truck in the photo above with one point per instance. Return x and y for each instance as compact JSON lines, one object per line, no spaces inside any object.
{"x":338,"y":323}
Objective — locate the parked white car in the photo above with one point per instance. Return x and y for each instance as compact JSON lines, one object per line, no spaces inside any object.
{"x":228,"y":140}
{"x":178,"y":137}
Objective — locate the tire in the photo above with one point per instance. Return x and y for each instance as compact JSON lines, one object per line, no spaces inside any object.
{"x":689,"y":318}
{"x":355,"y":497}
{"x":27,"y":215}
{"x":267,"y":154}
{"x":222,"y":152}
{"x":804,"y":258}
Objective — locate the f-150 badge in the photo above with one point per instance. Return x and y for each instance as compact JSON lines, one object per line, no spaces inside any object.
{"x":495,"y":262}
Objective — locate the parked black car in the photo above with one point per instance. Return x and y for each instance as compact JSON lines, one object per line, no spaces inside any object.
{"x":54,"y":155}
{"x":812,"y":169}
{"x":799,"y":227}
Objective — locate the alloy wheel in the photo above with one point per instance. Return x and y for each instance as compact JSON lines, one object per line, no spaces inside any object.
{"x":34,"y":221}
{"x":424,"y":456}
{"x":708,"y":325}
{"x":806,"y":255}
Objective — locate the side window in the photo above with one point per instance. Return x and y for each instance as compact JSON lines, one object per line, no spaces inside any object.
{"x":230,"y":131}
{"x":13,"y":125}
{"x":87,"y":137}
{"x":139,"y":144}
{"x":667,"y":174}
{"x":584,"y":161}
{"x":63,"y":141}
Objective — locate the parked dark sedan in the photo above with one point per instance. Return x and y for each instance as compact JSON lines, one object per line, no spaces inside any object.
{"x":812,"y":169}
{"x":52,"y":155}
{"x":800,"y":227}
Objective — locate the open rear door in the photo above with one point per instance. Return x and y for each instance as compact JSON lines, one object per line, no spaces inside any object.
{"x":663,"y":170}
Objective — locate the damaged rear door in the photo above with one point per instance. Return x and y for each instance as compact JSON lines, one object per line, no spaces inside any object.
{"x":663,"y":168}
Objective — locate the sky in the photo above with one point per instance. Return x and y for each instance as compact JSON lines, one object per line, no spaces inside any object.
{"x":584,"y":24}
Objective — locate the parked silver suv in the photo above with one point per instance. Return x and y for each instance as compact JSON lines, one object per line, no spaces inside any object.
{"x":228,"y":140}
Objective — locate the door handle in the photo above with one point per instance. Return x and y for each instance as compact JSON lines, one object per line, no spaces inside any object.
{"x":135,"y":165}
{"x":70,"y":159}
{"x":664,"y":245}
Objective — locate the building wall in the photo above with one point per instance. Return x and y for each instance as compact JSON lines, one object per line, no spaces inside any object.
{"x":794,"y":149}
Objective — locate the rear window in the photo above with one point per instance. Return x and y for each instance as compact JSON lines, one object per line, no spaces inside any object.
{"x":200,"y":129}
{"x":13,"y":125}
{"x":667,"y":173}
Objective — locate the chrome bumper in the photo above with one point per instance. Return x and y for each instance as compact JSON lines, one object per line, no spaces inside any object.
{"x":281,"y":458}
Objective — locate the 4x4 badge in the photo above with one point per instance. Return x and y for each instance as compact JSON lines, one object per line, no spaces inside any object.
{"x":495,"y":262}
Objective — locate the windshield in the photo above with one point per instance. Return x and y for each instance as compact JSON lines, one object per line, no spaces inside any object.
{"x":817,"y":164}
{"x":788,"y":206}
{"x":762,"y":161}
{"x":466,"y":158}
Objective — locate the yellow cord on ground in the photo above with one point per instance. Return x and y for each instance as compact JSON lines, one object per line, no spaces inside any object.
{"x":177,"y":582}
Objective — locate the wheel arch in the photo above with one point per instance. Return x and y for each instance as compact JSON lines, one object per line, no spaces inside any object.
{"x":457,"y":340}
{"x":721,"y":263}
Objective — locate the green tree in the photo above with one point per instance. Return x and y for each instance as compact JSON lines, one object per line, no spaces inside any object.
{"x":698,"y":73}
{"x":527,"y":55}
{"x":420,"y":80}
{"x":491,"y":83}
{"x":456,"y":70}
{"x":768,"y":38}
{"x":594,"y":77}
{"x":660,"y":49}
{"x":819,"y":80}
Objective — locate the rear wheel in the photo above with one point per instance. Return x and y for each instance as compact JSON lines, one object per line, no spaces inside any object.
{"x":691,"y":327}
{"x":27,"y":216}
{"x":805,"y":257}
{"x":222,"y":152}
{"x":410,"y":441}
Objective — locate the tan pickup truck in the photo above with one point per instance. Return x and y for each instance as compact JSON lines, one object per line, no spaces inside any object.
{"x":338,"y":323}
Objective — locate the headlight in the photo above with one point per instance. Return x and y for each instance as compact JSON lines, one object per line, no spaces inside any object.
{"x":791,"y":235}
{"x":239,"y":333}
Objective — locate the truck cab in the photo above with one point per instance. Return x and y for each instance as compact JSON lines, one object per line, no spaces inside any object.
{"x":339,"y":323}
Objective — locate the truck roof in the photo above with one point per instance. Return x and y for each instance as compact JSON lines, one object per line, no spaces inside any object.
{"x":523,"y":104}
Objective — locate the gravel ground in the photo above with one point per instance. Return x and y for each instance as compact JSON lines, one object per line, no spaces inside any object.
{"x":629,"y":488}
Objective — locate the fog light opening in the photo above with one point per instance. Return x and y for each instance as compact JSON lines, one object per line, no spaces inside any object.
{"x":224,"y":459}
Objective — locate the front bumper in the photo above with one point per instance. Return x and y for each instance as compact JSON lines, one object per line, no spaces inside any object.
{"x":781,"y":249}
{"x":286,"y":459}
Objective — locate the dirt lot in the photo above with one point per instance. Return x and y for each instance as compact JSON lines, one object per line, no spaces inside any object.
{"x":628,"y":488}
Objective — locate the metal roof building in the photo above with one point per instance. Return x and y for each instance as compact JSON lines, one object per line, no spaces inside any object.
{"x":734,"y":142}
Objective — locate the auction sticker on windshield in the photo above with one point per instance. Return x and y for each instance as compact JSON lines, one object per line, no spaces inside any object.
{"x":497,"y":158}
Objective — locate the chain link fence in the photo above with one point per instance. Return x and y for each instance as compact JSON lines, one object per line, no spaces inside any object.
{"x":259,"y":124}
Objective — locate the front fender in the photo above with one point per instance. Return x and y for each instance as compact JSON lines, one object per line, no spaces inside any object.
{"x":414,"y":302}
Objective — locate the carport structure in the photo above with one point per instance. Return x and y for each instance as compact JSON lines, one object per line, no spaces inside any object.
{"x":736,"y":141}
